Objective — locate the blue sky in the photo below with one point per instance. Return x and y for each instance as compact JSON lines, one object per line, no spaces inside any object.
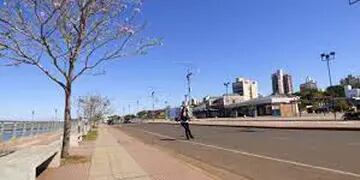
{"x":220,"y":39}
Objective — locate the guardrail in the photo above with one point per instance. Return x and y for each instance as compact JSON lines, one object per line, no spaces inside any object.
{"x":17,"y":129}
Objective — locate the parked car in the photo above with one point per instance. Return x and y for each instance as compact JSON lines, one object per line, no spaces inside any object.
{"x":351,"y":116}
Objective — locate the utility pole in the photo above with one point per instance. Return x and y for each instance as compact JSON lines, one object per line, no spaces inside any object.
{"x":226,"y":84}
{"x":327,"y":57}
{"x":56,"y":111}
{"x":188,"y":78}
{"x":137,"y":105}
{"x":166,"y":109}
{"x":153,"y":104}
{"x":129,"y":106}
{"x":32,"y":115}
{"x":124,"y":111}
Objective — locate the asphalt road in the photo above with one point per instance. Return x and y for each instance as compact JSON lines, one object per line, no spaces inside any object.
{"x":243,"y":153}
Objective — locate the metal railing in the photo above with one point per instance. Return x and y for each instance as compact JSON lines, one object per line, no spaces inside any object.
{"x":17,"y":129}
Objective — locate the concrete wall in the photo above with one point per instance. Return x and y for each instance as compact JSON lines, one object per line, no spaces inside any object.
{"x":288,"y":110}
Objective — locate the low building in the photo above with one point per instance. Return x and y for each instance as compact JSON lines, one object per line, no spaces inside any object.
{"x":274,"y":105}
{"x":215,"y":106}
{"x":209,"y":107}
{"x":351,"y":93}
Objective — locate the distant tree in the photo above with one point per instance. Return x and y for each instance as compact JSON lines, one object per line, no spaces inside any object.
{"x":94,"y":108}
{"x":342,"y":105}
{"x":310,"y":97}
{"x":66,"y":39}
{"x":115,"y":118}
{"x":129,"y":117}
{"x":335,"y":91}
{"x":143,"y":115}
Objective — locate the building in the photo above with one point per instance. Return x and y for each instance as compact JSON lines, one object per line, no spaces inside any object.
{"x":274,"y":105}
{"x":245,"y":88}
{"x":288,"y":84}
{"x":278,"y":82}
{"x":282,"y":83}
{"x":215,"y":106}
{"x":351,"y":80}
{"x":308,"y":85}
{"x":352,"y":93}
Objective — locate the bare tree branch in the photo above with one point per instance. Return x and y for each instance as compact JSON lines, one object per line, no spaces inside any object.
{"x":63,"y":39}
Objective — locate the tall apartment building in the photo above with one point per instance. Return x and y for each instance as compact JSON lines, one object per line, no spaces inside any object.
{"x":246,"y":88}
{"x":308,"y":85}
{"x":282,"y":83}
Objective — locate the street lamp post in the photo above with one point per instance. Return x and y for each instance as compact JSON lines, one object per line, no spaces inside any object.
{"x":129,"y":106}
{"x":166,"y":109}
{"x":226,"y":84}
{"x":153,"y":104}
{"x":327,"y":57}
{"x":32,"y":115}
{"x":137,"y":105}
{"x":188,"y":78}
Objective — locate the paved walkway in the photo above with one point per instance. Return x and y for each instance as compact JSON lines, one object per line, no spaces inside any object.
{"x":118,"y":156}
{"x":71,"y":171}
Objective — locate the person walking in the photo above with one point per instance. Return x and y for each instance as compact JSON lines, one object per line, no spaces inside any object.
{"x":184,"y":121}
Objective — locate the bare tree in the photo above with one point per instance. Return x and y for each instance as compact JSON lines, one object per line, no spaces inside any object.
{"x":94,"y":108}
{"x":65,"y":39}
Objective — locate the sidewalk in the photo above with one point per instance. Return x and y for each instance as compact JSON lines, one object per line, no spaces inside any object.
{"x":72,"y":171}
{"x":118,"y":156}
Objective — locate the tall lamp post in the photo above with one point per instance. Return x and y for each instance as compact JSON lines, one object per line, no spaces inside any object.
{"x":327,"y":57}
{"x":153,"y":104}
{"x":188,"y":78}
{"x":226,"y":84}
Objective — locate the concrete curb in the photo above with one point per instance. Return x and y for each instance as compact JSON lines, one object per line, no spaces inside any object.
{"x":336,"y":128}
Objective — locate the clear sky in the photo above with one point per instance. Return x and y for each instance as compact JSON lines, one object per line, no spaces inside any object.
{"x":220,"y":39}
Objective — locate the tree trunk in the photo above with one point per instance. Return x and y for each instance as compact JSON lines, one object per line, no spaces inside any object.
{"x":67,"y":123}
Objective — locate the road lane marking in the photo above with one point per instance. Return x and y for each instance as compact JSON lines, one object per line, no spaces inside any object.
{"x":261,"y":156}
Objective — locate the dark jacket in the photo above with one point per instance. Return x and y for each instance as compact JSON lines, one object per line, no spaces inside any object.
{"x":184,"y":115}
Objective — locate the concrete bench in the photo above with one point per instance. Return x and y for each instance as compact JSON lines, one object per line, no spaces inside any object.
{"x":23,"y":164}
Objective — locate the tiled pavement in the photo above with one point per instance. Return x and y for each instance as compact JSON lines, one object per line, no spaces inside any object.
{"x":118,"y":156}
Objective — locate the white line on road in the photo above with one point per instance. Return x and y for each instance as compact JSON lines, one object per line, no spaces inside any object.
{"x":262,"y":156}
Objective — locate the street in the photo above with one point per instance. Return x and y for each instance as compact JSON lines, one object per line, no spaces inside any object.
{"x":252,"y":153}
